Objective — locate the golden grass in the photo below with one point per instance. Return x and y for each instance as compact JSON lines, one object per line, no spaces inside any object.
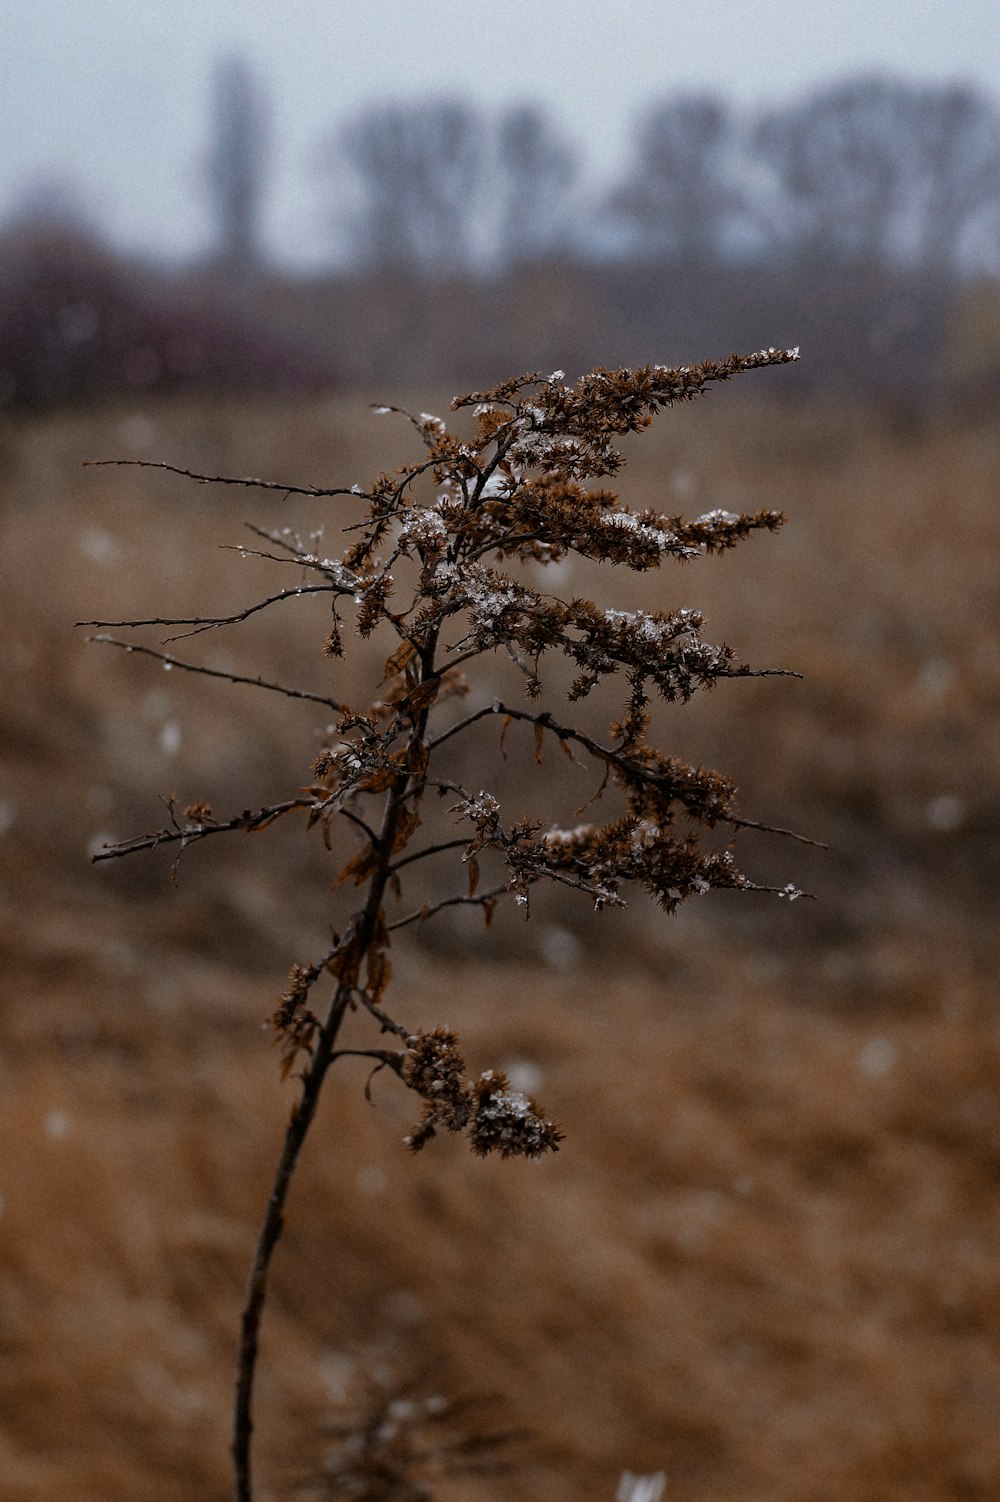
{"x":763,"y":1260}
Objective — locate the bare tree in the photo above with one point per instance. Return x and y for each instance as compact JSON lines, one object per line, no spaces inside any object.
{"x":684,"y":193}
{"x":844,"y":165}
{"x":536,"y":170}
{"x":879,"y":172}
{"x":957,"y":141}
{"x":408,"y":180}
{"x":238,"y":160}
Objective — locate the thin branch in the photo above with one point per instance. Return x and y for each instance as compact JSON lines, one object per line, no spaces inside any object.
{"x":756,"y":673}
{"x":506,"y":546}
{"x":440,"y":785}
{"x":211,"y":623}
{"x":187,"y":834}
{"x":487,"y":470}
{"x":300,"y":558}
{"x":291,"y":542}
{"x":460,"y":725}
{"x":429,"y":909}
{"x":413,"y":472}
{"x":194,"y":667}
{"x":294,"y":548}
{"x":328,"y":567}
{"x":419,"y":855}
{"x":789,"y":834}
{"x":386,"y":1022}
{"x":310,"y":974}
{"x":347,"y":813}
{"x":790,"y":893}
{"x":456,"y":662}
{"x":384,"y":408}
{"x":577,"y":884}
{"x":383,"y":1055}
{"x":247,"y":481}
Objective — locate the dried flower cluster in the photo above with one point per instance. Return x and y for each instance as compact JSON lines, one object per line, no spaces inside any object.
{"x":436,"y":565}
{"x":496,"y":1118}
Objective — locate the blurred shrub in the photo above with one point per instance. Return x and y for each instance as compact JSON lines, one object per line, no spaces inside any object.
{"x":79,"y":323}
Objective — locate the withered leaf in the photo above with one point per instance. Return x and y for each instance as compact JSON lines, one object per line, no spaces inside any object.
{"x":357,"y":869}
{"x":417,"y":757}
{"x":397,"y":662}
{"x":346,"y":963}
{"x":378,"y":780}
{"x":408,"y":825}
{"x":379,"y":973}
{"x":424,"y":693}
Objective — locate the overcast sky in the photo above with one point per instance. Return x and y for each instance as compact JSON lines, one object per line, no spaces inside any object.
{"x":112,"y":95}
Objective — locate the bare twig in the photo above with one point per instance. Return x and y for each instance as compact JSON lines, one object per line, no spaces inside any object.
{"x":789,"y":834}
{"x":194,"y":667}
{"x":382,"y":1055}
{"x":189,"y":833}
{"x":353,"y":818}
{"x":382,"y":1018}
{"x":421,"y":914}
{"x":246,"y":481}
{"x":419,"y":855}
{"x":211,"y":623}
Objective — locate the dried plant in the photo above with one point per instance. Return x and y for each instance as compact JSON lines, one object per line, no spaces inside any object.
{"x":437,"y":562}
{"x":396,"y":1438}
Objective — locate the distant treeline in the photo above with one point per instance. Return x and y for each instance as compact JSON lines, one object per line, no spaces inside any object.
{"x":869,"y":173}
{"x":861,"y":222}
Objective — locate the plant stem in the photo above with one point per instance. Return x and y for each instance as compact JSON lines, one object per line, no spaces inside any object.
{"x":270,"y":1232}
{"x":300,"y":1121}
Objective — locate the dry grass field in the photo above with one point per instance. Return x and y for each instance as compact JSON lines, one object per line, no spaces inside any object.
{"x":765,"y":1259}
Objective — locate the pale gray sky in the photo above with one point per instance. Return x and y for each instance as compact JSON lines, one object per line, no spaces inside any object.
{"x":112,"y":94}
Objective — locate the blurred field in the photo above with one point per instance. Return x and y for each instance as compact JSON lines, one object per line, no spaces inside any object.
{"x":765,"y":1259}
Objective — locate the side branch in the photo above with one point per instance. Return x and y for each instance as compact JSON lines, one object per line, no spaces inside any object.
{"x":211,"y":623}
{"x":247,"y":481}
{"x":382,"y":1018}
{"x":383,"y":1056}
{"x":419,"y":855}
{"x":789,"y":834}
{"x":421,"y":914}
{"x":608,"y":755}
{"x":187,"y":834}
{"x":194,"y":667}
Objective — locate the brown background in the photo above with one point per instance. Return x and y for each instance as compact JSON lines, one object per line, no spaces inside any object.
{"x":764,"y":1260}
